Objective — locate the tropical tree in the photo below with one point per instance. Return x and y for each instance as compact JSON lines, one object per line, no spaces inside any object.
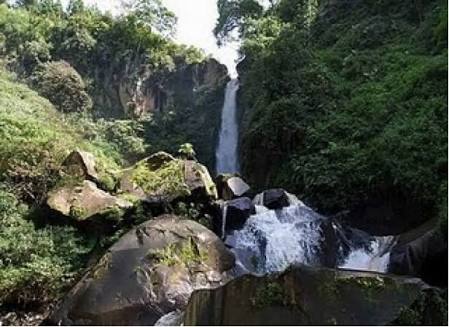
{"x":152,"y":14}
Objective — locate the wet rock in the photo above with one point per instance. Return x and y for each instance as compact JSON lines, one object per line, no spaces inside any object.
{"x":237,"y":212}
{"x":273,"y":199}
{"x":421,"y":252}
{"x":230,"y":187}
{"x":313,"y":296}
{"x":162,"y":178}
{"x":151,"y":271}
{"x":84,"y":201}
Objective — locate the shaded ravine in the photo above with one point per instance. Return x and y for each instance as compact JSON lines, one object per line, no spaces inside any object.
{"x":226,"y":153}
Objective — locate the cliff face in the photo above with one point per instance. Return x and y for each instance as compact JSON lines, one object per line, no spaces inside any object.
{"x":137,"y":90}
{"x":184,"y":101}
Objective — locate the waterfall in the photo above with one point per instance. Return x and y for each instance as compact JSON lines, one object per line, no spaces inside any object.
{"x":223,"y":220}
{"x":272,"y":240}
{"x":226,"y":154}
{"x":376,"y":258}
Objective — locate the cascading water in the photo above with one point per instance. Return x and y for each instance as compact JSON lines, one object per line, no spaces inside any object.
{"x":226,"y":154}
{"x":272,"y":240}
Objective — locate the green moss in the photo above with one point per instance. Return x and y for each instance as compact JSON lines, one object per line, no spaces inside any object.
{"x":184,"y":253}
{"x":370,"y":286}
{"x":113,"y":215}
{"x":129,"y":197}
{"x":328,"y":289}
{"x":77,"y":212}
{"x":69,"y":180}
{"x":270,"y":294}
{"x":167,"y":180}
{"x":102,"y":267}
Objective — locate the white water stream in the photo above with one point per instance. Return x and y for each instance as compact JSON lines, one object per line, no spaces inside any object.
{"x":272,"y":240}
{"x":226,"y":154}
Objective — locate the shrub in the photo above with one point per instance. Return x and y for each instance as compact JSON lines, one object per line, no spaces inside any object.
{"x":35,"y":264}
{"x":63,"y":86}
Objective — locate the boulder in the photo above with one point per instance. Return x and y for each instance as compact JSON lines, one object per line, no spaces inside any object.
{"x":162,"y":178}
{"x":421,"y":252}
{"x":317,"y":296}
{"x":82,"y":164}
{"x":198,"y":181}
{"x":273,"y":199}
{"x":230,"y":187}
{"x":158,"y":159}
{"x":150,"y":272}
{"x":84,"y":201}
{"x":237,"y":212}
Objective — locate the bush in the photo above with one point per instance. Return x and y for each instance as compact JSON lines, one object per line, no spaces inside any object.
{"x":63,"y":86}
{"x":35,"y":264}
{"x":358,"y":116}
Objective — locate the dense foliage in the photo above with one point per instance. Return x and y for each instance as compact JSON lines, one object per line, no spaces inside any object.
{"x":63,"y":86}
{"x":81,"y":64}
{"x":100,"y":47}
{"x":36,"y":264}
{"x":342,"y":108}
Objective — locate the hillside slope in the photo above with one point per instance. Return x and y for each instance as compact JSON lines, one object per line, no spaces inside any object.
{"x":346,"y":106}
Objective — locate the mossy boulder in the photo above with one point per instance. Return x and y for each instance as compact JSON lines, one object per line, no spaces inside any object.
{"x":83,"y":201}
{"x":315,"y":296}
{"x":82,"y":164}
{"x":162,"y":178}
{"x":151,"y":271}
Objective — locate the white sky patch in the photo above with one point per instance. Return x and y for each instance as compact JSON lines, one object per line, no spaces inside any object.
{"x":196,"y":21}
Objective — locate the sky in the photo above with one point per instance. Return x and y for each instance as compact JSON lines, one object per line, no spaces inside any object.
{"x":196,"y":20}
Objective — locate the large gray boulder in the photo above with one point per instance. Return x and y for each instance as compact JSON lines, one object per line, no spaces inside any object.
{"x":81,"y":163}
{"x":84,"y":200}
{"x":318,"y":296}
{"x":273,"y":199}
{"x":230,"y":187}
{"x":421,"y":252}
{"x":151,"y":271}
{"x":237,"y":212}
{"x":162,"y":178}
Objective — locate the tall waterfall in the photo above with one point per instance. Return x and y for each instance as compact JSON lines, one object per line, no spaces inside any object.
{"x":226,"y":154}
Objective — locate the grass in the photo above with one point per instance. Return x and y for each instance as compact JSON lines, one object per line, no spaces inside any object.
{"x":185,"y":253}
{"x":168,"y":179}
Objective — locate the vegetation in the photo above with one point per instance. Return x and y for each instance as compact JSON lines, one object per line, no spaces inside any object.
{"x":342,"y":108}
{"x":166,"y":180}
{"x":36,"y":263}
{"x":63,"y":86}
{"x":338,"y":109}
{"x":270,"y":294}
{"x":66,"y":57}
{"x":37,"y":138}
{"x":185,"y":253}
